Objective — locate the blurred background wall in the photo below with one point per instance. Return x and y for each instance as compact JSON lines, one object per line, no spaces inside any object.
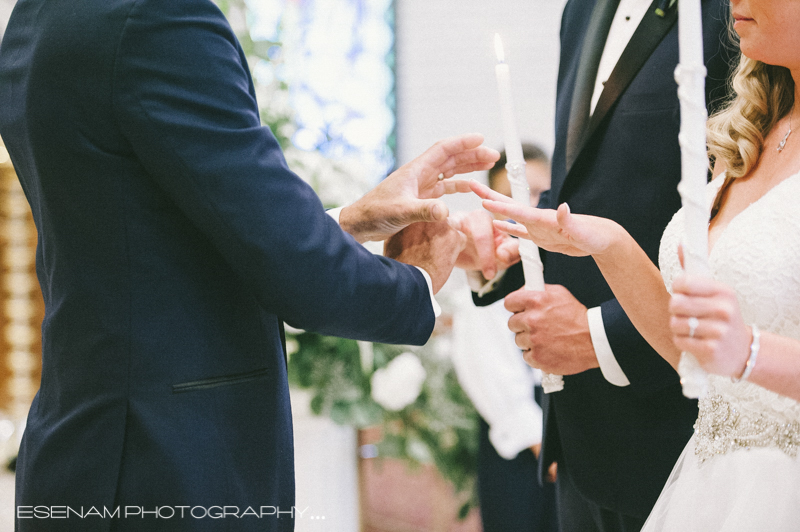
{"x":445,"y":71}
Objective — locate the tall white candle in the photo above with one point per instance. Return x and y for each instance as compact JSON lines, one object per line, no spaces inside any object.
{"x":520,"y":191}
{"x":510,"y":135}
{"x":690,"y":75}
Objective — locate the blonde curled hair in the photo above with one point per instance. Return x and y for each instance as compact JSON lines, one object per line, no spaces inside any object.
{"x":763,"y":95}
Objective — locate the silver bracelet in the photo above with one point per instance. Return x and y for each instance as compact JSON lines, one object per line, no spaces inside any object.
{"x":751,"y":361}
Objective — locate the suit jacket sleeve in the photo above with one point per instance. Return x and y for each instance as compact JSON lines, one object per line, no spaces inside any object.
{"x":185,"y":101}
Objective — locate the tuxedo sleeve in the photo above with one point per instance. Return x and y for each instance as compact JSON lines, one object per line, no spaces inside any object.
{"x":185,"y":101}
{"x":646,"y":370}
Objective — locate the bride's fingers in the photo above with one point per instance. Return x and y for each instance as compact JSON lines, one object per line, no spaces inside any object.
{"x":520,"y":213}
{"x":512,"y":229}
{"x":565,"y":219}
{"x":697,"y":285}
{"x":683,"y":306}
{"x":579,"y":230}
{"x":709,"y":308}
{"x":689,"y":327}
{"x":487,"y":193}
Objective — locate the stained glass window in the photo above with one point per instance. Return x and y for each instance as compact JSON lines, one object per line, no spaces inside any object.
{"x":334,"y":60}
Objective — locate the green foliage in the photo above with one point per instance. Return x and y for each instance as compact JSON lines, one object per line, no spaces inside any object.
{"x":439,"y":427}
{"x":331,"y":368}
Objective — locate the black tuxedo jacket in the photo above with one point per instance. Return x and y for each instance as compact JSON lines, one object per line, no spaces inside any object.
{"x":620,"y":443}
{"x":173,"y":241}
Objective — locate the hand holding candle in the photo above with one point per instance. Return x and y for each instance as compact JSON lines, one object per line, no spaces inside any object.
{"x":529,"y":253}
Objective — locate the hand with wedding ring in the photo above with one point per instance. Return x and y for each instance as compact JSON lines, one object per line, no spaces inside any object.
{"x":693,"y":323}
{"x":707,"y":322}
{"x":412,"y":193}
{"x":552,"y":330}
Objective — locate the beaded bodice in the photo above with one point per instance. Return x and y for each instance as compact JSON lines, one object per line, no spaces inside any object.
{"x":758,"y":255}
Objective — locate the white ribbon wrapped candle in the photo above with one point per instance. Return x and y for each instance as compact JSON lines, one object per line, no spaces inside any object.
{"x":690,"y":75}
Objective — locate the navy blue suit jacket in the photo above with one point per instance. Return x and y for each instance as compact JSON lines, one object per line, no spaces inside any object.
{"x":620,"y":443}
{"x":173,"y":242}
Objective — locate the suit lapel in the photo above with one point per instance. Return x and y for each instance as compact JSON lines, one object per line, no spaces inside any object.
{"x":644,"y":41}
{"x":591,"y":50}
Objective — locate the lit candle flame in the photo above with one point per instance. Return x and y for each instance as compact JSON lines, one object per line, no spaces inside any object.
{"x":498,"y":48}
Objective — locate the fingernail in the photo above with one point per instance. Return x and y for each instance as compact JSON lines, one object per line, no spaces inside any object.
{"x":567,"y":206}
{"x":437,"y":212}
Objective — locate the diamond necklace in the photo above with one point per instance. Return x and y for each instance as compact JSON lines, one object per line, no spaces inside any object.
{"x":786,"y":136}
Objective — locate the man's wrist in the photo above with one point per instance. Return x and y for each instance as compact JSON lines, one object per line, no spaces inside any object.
{"x":351,"y":223}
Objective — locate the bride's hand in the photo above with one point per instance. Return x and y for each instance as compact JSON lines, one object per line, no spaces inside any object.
{"x":558,"y":231}
{"x":719,"y":338}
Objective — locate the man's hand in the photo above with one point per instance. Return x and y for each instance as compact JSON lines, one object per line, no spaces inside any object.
{"x":432,"y":246}
{"x":552,"y":471}
{"x":488,"y":249}
{"x":409,"y":194}
{"x":552,"y":330}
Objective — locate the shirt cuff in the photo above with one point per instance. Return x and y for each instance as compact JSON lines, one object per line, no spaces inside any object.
{"x":516,"y":432}
{"x":437,"y":310}
{"x":605,"y":356}
{"x":334,"y":213}
{"x":478,"y":284}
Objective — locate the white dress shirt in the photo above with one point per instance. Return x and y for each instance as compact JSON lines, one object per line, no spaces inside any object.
{"x":627,"y":18}
{"x":493,"y":374}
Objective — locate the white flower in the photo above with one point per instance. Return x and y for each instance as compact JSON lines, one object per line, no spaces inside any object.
{"x":443,"y":347}
{"x":398,"y":384}
{"x":292,"y":346}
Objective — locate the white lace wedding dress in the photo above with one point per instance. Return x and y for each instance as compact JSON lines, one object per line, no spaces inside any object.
{"x":740,"y":471}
